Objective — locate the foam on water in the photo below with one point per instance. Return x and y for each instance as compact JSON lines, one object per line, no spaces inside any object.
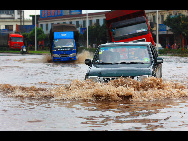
{"x":80,"y":58}
{"x":150,"y":89}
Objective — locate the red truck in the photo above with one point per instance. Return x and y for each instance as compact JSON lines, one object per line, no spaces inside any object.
{"x":128,"y":25}
{"x":15,"y":41}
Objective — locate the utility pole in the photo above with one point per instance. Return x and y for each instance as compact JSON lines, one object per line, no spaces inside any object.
{"x":23,"y":17}
{"x":157,"y":35}
{"x":21,"y":21}
{"x":87,"y":29}
{"x":35,"y":32}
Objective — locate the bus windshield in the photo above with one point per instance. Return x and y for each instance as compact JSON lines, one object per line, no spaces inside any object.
{"x":124,"y":54}
{"x":59,"y":43}
{"x":129,"y":28}
{"x":16,"y":39}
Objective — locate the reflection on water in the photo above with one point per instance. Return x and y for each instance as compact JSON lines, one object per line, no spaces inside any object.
{"x":48,"y":114}
{"x":52,"y":96}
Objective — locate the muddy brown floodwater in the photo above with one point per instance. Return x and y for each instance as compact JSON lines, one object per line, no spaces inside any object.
{"x":36,"y":94}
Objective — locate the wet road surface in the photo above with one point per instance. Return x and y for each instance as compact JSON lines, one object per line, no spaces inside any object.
{"x":45,"y":113}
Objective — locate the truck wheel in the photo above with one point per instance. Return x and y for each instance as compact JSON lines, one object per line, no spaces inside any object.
{"x":159,"y":71}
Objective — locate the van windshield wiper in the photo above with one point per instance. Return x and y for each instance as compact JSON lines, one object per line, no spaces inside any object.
{"x":123,"y":63}
{"x":131,"y":63}
{"x":105,"y":63}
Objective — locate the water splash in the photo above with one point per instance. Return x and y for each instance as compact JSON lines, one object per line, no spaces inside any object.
{"x":80,"y":57}
{"x":149,"y":89}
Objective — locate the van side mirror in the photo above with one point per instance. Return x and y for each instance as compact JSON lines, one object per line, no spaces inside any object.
{"x":159,"y":60}
{"x":88,"y":62}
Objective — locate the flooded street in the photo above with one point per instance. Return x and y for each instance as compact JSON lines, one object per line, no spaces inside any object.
{"x":36,"y":95}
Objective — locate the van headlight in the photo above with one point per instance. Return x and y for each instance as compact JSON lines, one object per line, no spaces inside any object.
{"x":94,"y":78}
{"x":140,"y":78}
{"x":72,"y":55}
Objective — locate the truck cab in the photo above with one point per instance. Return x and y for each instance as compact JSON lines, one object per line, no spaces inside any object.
{"x":64,"y":47}
{"x":15,"y":41}
{"x":127,"y":26}
{"x":113,"y":60}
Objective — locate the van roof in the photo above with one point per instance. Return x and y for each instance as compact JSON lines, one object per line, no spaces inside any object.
{"x":127,"y":43}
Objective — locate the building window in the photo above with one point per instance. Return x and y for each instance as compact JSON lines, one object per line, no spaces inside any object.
{"x":41,"y":26}
{"x":9,"y":27}
{"x":97,"y":21}
{"x":90,"y":22}
{"x":104,"y":21}
{"x":70,"y":22}
{"x":46,"y":27}
{"x":154,"y":21}
{"x":162,"y":19}
{"x":84,"y":23}
{"x":77,"y":24}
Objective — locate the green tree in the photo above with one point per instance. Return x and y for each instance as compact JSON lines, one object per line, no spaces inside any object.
{"x":25,"y":37}
{"x":178,"y":25}
{"x":40,"y":35}
{"x":97,"y":34}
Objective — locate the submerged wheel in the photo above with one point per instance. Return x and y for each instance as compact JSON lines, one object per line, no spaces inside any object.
{"x":159,"y":71}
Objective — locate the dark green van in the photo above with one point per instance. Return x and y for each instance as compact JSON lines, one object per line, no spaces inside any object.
{"x":137,"y":60}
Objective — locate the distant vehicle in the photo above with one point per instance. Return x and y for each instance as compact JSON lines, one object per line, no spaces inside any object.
{"x":15,"y":41}
{"x":63,"y":42}
{"x":9,"y":40}
{"x":64,"y":47}
{"x":23,"y":50}
{"x":113,"y":60}
{"x":128,"y":25}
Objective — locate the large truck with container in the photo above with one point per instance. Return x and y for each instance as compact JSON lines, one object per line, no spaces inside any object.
{"x":128,"y":25}
{"x":10,"y":40}
{"x":63,"y":42}
{"x":15,"y":41}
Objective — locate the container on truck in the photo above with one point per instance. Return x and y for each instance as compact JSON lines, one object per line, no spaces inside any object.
{"x":128,"y":25}
{"x":15,"y":41}
{"x":63,"y":42}
{"x":64,"y":47}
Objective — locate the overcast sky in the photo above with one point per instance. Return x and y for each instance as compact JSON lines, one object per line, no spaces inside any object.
{"x":32,"y":12}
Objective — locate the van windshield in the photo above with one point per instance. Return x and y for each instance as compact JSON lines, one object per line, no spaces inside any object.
{"x":124,"y":55}
{"x":59,"y":43}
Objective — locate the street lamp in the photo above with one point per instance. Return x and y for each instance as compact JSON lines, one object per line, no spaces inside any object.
{"x":157,"y":36}
{"x":35,"y":32}
{"x":87,"y":29}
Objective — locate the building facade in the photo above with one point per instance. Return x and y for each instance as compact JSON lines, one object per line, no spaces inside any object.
{"x":50,"y":17}
{"x":165,"y":35}
{"x":10,"y":14}
{"x":10,"y":18}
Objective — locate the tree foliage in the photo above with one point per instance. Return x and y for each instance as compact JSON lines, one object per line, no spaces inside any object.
{"x":97,"y":35}
{"x":40,"y":35}
{"x":178,"y":24}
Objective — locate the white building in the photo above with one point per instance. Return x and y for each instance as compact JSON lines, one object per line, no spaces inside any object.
{"x":79,"y":20}
{"x":9,"y":19}
{"x":10,"y":14}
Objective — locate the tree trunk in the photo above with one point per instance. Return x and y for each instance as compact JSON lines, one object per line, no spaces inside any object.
{"x":182,"y":41}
